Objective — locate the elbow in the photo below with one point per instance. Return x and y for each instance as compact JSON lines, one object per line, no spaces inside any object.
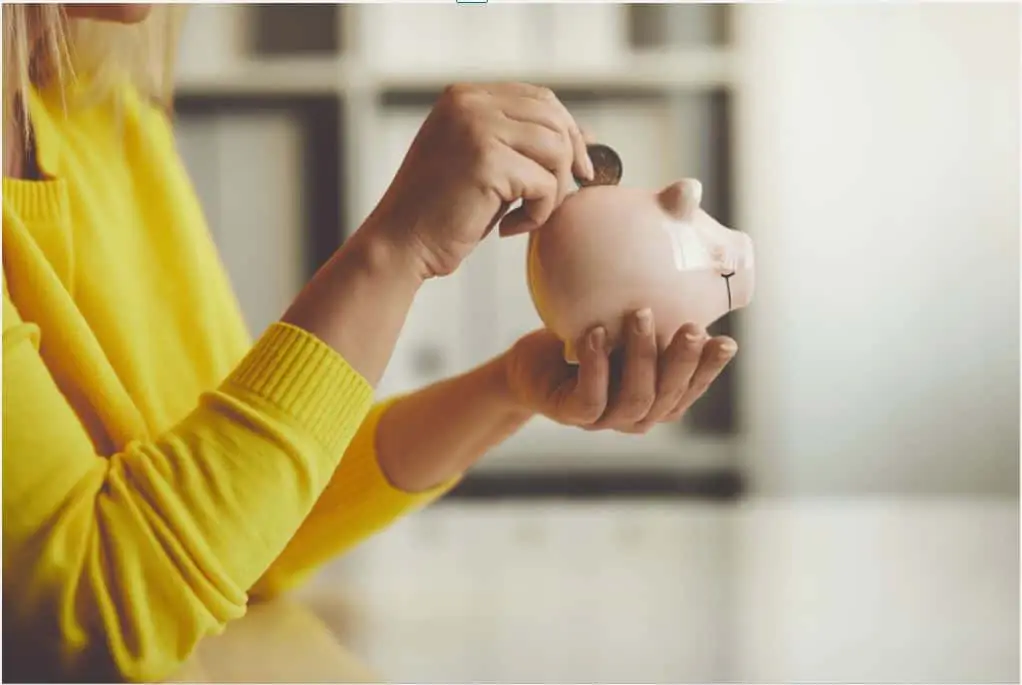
{"x":112,"y":601}
{"x":151,"y":602}
{"x":277,"y":582}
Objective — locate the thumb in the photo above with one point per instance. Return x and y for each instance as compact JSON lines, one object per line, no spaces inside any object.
{"x":517,"y":222}
{"x":497,"y":219}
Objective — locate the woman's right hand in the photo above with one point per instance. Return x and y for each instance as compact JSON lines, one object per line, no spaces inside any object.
{"x":481,"y":149}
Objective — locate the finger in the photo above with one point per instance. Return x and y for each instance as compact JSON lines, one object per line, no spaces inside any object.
{"x":497,"y":218}
{"x":582,"y":165}
{"x":524,"y":179}
{"x":717,"y":353}
{"x":638,"y":378}
{"x":549,"y":148}
{"x":677,"y":366}
{"x":586,"y":398}
{"x":521,"y":107}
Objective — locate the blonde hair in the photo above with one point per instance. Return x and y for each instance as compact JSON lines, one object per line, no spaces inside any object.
{"x":43,"y":47}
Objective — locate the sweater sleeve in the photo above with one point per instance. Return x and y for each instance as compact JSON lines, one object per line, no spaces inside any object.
{"x":358,"y":501}
{"x":114,"y":567}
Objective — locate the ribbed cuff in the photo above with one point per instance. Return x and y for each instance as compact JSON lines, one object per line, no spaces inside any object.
{"x":37,"y":200}
{"x":307,"y":380}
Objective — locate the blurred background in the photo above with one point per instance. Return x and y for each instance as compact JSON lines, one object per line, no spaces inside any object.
{"x":844,"y":505}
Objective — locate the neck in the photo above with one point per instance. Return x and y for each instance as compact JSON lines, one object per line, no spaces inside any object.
{"x":20,"y":153}
{"x":14,"y":150}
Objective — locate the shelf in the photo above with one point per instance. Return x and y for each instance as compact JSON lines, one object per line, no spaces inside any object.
{"x":678,"y":70}
{"x":664,"y":71}
{"x":622,"y":484}
{"x":314,"y":76}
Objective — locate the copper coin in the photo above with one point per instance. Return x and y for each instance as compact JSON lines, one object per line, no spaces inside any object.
{"x":606,"y":164}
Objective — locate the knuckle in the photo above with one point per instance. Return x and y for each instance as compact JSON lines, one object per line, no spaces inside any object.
{"x":481,"y":169}
{"x":566,"y":150}
{"x":646,"y":352}
{"x":484,"y":153}
{"x":675,"y":398}
{"x":690,"y":330}
{"x":485,"y":145}
{"x":550,"y":186}
{"x":696,"y":389}
{"x":458,"y":93}
{"x":546,"y":94}
{"x":700,"y":385}
{"x":590,"y":410}
{"x":557,"y":142}
{"x":635,"y":405}
{"x":462,"y":104}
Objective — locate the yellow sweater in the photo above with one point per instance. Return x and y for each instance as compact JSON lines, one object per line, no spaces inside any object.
{"x":157,"y":467}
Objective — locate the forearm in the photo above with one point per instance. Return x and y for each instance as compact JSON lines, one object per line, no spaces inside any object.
{"x":407,"y":453}
{"x":358,"y":301}
{"x":437,"y":433}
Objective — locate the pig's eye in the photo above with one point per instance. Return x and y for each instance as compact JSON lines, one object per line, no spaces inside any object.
{"x":723,"y":259}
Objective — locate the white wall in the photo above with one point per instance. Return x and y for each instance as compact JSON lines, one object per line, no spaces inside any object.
{"x":879,"y":173}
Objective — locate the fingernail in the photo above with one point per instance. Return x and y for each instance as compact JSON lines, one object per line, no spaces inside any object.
{"x":596,"y":338}
{"x":727,"y":350}
{"x":644,"y":322}
{"x":589,"y":168}
{"x":694,"y":337}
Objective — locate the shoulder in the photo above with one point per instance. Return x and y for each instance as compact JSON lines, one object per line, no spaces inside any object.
{"x":144,"y":112}
{"x":98,"y":117}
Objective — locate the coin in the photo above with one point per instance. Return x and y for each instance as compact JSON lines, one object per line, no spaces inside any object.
{"x":606,"y":164}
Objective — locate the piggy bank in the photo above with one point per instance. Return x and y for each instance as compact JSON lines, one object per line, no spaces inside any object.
{"x":608,"y":251}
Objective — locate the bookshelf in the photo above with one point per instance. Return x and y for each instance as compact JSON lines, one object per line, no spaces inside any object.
{"x":654,"y":81}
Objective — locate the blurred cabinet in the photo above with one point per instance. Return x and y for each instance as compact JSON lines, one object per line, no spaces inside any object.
{"x":653,"y":81}
{"x":248,"y":175}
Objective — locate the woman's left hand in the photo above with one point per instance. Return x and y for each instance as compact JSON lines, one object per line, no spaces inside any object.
{"x":629,"y":391}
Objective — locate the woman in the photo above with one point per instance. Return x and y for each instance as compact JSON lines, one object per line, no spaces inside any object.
{"x":159,"y":468}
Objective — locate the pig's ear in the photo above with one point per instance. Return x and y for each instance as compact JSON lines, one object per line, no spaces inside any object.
{"x":681,"y":200}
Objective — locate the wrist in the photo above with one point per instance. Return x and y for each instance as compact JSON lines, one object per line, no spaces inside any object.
{"x":502,"y":390}
{"x":381,"y":246}
{"x":358,"y":301}
{"x":393,"y":236}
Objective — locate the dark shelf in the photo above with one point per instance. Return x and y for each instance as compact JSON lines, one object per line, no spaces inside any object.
{"x":720,"y":485}
{"x":300,"y":29}
{"x":653,"y":26}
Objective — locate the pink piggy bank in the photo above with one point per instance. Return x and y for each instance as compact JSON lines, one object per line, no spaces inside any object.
{"x":608,"y":251}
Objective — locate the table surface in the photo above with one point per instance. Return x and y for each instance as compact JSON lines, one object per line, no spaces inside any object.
{"x":283,"y":641}
{"x":762,"y":591}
